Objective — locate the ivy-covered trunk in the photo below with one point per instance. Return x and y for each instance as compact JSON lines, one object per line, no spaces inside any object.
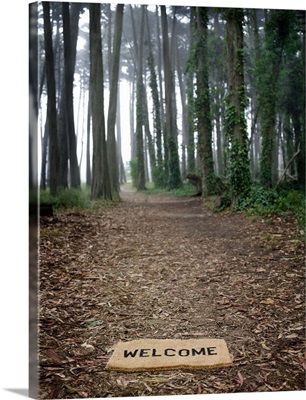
{"x":174,"y":177}
{"x":203,"y":106}
{"x":190,"y":95}
{"x":235,"y":121}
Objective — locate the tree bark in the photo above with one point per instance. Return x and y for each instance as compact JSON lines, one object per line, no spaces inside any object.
{"x":141,"y":179}
{"x":239,"y":173}
{"x":69,"y":56}
{"x":51,"y":108}
{"x":174,"y":177}
{"x":203,"y":106}
{"x":111,"y":120}
{"x":100,"y":187}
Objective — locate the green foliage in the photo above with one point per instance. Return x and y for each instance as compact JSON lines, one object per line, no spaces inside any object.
{"x":239,"y":171}
{"x":186,"y":190}
{"x":262,"y":201}
{"x":75,"y":199}
{"x":134,"y":171}
{"x":159,"y":176}
{"x":67,"y":199}
{"x":174,"y":178}
{"x":239,"y":163}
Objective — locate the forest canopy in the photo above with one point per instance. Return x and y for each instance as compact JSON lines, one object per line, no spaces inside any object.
{"x":163,"y":93}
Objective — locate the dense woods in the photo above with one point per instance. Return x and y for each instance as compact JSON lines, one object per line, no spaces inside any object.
{"x":160,"y":93}
{"x":171,"y":173}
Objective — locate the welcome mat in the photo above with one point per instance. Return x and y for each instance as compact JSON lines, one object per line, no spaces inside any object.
{"x":167,"y":354}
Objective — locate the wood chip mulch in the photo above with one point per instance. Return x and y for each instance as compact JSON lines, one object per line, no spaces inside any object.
{"x":155,"y":266}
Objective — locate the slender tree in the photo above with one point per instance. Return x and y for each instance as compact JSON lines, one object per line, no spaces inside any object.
{"x":100,"y":176}
{"x":158,"y":168}
{"x":203,"y":106}
{"x":277,"y":30}
{"x":111,"y":120}
{"x":174,"y":177}
{"x":51,"y":107}
{"x":69,"y":56}
{"x":190,"y":71}
{"x":140,"y":112}
{"x":239,"y":174}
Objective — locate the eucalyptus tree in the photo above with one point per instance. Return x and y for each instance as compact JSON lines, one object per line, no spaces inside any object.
{"x":158,"y":167}
{"x":140,"y":111}
{"x":204,"y":125}
{"x":190,"y":71}
{"x":100,"y":175}
{"x":235,"y":120}
{"x":51,"y":107}
{"x":111,"y":120}
{"x":70,"y":32}
{"x":278,"y":29}
{"x":174,"y":177}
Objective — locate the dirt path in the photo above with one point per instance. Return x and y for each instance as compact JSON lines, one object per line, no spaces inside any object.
{"x":156,"y":266}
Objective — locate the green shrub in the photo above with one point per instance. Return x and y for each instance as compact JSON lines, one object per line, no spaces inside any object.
{"x":270,"y":202}
{"x":159,"y":176}
{"x":186,"y":190}
{"x":134,"y":171}
{"x":67,"y":199}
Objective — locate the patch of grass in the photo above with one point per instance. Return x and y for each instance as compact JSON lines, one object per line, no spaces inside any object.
{"x":75,"y":199}
{"x":186,"y":190}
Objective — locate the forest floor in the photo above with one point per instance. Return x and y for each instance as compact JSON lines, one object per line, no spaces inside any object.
{"x":158,"y":266}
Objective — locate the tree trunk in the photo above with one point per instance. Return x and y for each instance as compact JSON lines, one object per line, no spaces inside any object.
{"x":132,"y":117}
{"x":157,"y":171}
{"x":69,"y":56}
{"x":274,"y":43}
{"x":174,"y":179}
{"x":235,"y":114}
{"x":100,"y":176}
{"x":203,"y":106}
{"x":141,"y":179}
{"x":88,"y":158}
{"x":51,"y":108}
{"x":182,"y":85}
{"x":111,"y":121}
{"x":190,"y":96}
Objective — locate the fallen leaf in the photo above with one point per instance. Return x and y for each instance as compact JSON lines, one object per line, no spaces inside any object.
{"x":240,"y":378}
{"x":87,"y":346}
{"x":267,"y":301}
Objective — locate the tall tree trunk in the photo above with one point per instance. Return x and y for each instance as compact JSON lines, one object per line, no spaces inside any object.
{"x":44,"y":150}
{"x":148,"y":135}
{"x":174,"y":179}
{"x":51,"y":108}
{"x":203,"y":106}
{"x":69,"y":56}
{"x":63,"y":137}
{"x":157,"y":171}
{"x":161,"y":97}
{"x":190,"y":96}
{"x":100,"y":176}
{"x":235,"y":114}
{"x":88,"y":158}
{"x":132,"y":118}
{"x":122,"y":177}
{"x":141,"y":179}
{"x":111,"y":120}
{"x":182,"y":86}
{"x":270,"y":70}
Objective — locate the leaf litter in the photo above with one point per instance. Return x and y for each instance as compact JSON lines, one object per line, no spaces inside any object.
{"x":155,"y":266}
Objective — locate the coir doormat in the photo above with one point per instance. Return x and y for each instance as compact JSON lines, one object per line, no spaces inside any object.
{"x":167,"y":354}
